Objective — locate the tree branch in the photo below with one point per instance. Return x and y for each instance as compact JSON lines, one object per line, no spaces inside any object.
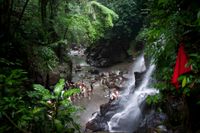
{"x":21,"y":15}
{"x":11,"y":121}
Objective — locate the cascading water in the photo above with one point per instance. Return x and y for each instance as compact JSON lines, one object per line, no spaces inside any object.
{"x":138,"y":66}
{"x":127,"y":120}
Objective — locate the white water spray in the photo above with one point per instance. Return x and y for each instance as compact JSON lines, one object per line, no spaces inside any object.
{"x":138,"y":66}
{"x":127,"y":120}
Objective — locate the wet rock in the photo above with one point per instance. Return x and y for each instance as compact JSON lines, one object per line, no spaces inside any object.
{"x":62,"y":71}
{"x":178,"y":113}
{"x":78,"y":67}
{"x":138,"y":78}
{"x":125,"y":76}
{"x":99,"y":121}
{"x":94,"y":71}
{"x":118,"y":72}
{"x":76,"y":48}
{"x":54,"y":77}
{"x":107,"y":107}
{"x":153,"y":122}
{"x":107,"y":53}
{"x":162,"y":129}
{"x":96,"y":124}
{"x":104,"y":108}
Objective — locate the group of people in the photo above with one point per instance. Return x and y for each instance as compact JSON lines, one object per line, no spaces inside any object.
{"x":85,"y":90}
{"x":111,"y":87}
{"x":113,"y":82}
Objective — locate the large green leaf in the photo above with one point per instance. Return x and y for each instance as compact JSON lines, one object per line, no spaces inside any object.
{"x":40,"y":91}
{"x":37,"y":109}
{"x":59,"y":87}
{"x":71,"y":92}
{"x":184,"y":82}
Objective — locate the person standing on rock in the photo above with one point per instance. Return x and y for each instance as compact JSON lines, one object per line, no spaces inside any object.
{"x":90,"y":90}
{"x":114,"y":95}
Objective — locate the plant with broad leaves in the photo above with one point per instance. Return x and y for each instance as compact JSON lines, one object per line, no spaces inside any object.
{"x":53,"y":109}
{"x":154,"y":99}
{"x":15,"y":114}
{"x":40,"y":111}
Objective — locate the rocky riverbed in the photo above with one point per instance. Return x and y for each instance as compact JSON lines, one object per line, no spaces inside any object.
{"x":104,"y":81}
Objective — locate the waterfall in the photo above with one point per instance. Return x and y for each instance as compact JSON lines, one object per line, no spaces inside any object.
{"x":127,"y":120}
{"x":138,"y":66}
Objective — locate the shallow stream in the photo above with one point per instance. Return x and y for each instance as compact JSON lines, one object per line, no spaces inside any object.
{"x":100,"y":94}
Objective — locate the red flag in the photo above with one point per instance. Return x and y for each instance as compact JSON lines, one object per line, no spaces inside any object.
{"x":180,"y":67}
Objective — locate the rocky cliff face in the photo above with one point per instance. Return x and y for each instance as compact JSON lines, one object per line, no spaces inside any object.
{"x":63,"y":70}
{"x":106,"y":53}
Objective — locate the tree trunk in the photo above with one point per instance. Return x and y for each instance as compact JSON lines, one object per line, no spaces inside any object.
{"x":47,"y":81}
{"x":6,"y":11}
{"x":53,"y":8}
{"x":43,"y":6}
{"x":21,"y":15}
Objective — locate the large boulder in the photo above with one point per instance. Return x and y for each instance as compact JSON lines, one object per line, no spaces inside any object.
{"x":153,"y":122}
{"x":176,"y":108}
{"x":100,"y":119}
{"x":106,"y":53}
{"x":62,"y":71}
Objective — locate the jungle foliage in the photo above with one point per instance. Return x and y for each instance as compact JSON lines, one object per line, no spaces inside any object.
{"x":84,"y":22}
{"x":130,"y":19}
{"x":35,"y":36}
{"x":167,"y":24}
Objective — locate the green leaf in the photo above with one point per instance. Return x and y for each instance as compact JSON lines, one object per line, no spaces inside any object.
{"x":181,"y":77}
{"x":70,"y":92}
{"x":41,"y":91}
{"x":186,"y":91}
{"x":184,"y":81}
{"x":161,"y":1}
{"x":58,"y":124}
{"x":38,"y":87}
{"x":65,"y":103}
{"x":154,"y":99}
{"x":59,"y":87}
{"x":37,"y":109}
